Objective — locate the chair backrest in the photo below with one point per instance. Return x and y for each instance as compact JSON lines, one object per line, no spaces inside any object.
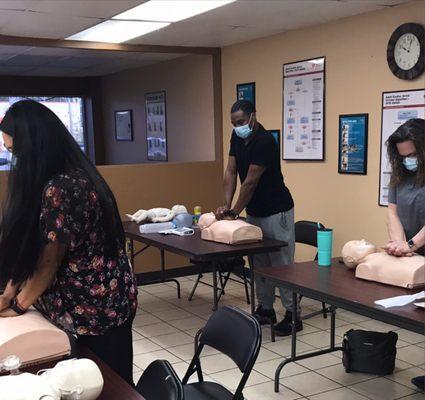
{"x":306,"y":232}
{"x":235,"y":333}
{"x":160,"y":381}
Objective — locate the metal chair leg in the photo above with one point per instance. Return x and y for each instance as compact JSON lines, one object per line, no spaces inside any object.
{"x":194,"y":287}
{"x":245,"y":283}
{"x":325,"y":313}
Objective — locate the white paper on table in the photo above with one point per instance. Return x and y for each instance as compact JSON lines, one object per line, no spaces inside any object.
{"x":399,"y":301}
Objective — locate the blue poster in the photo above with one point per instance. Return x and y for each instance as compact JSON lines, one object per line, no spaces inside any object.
{"x":246,"y":91}
{"x":353,"y":144}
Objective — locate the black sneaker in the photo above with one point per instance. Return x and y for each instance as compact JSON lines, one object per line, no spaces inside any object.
{"x":419,"y":381}
{"x":265,"y":317}
{"x":284,"y":327}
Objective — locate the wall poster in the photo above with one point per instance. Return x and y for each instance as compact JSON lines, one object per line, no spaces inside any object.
{"x":304,"y":110}
{"x":352,"y":154}
{"x":156,"y":126}
{"x":397,"y":108}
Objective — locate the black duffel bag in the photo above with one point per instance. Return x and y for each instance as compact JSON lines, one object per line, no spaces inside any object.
{"x":369,"y":352}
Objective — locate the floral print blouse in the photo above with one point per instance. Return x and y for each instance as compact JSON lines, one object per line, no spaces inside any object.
{"x":91,"y":293}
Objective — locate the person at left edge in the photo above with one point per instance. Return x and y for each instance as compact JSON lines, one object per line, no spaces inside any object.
{"x":254,"y":156}
{"x":61,"y":239}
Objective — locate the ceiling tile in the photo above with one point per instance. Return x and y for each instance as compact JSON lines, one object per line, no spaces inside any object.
{"x":24,"y":60}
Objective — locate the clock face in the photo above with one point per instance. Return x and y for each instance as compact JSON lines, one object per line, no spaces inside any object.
{"x":407,"y":51}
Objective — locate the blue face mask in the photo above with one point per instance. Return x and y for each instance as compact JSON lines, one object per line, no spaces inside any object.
{"x":245,"y":130}
{"x":410,"y":163}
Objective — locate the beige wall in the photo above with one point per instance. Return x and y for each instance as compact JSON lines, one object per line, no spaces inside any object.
{"x":189,"y":96}
{"x":356,"y":75}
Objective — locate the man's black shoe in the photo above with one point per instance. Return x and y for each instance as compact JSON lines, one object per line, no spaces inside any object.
{"x":265,"y":317}
{"x":419,"y":381}
{"x":284,"y":327}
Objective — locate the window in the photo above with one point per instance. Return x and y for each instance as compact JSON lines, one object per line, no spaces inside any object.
{"x":70,"y":110}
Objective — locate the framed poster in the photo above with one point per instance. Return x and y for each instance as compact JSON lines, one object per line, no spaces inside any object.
{"x":352,"y":153}
{"x":156,"y":126}
{"x":124,"y":125}
{"x":397,"y":108}
{"x":246,"y":91}
{"x":276,"y":134}
{"x":304,"y":110}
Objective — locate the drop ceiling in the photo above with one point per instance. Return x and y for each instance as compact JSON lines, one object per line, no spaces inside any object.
{"x":234,"y":23}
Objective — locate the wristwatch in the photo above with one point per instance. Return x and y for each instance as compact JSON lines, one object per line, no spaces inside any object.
{"x":15,"y":306}
{"x":411,"y":244}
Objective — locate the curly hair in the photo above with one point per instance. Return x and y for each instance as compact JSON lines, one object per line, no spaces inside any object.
{"x":414,"y":130}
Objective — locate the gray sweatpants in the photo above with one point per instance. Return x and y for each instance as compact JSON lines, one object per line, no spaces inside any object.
{"x":280,"y":227}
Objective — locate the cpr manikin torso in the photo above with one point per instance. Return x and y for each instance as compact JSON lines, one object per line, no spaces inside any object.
{"x":229,"y":232}
{"x":407,"y":272}
{"x":32,"y":338}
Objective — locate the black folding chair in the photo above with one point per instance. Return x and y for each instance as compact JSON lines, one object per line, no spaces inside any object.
{"x":232,"y":332}
{"x":225,"y":269}
{"x":160,"y":382}
{"x":306,"y":233}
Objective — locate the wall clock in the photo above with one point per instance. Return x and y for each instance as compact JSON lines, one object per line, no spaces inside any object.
{"x":405,"y":51}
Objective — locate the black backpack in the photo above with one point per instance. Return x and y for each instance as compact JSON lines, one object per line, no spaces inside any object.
{"x":369,"y":352}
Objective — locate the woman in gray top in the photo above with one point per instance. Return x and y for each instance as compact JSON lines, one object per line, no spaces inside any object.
{"x":406,"y":208}
{"x":406,"y":198}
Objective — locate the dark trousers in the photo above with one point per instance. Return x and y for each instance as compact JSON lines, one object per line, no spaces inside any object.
{"x":115,"y":348}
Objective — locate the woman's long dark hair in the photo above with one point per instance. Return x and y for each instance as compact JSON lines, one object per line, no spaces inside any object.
{"x":414,"y":130}
{"x":42,"y":148}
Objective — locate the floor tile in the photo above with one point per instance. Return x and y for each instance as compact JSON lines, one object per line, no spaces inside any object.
{"x":268,"y":368}
{"x":338,"y":394}
{"x":381,"y":389}
{"x":157,"y":288}
{"x":143,"y":360}
{"x":322,"y":361}
{"x":144,"y":346}
{"x":415,"y":396}
{"x":404,"y":377}
{"x":265,"y":391}
{"x":309,"y":383}
{"x":161,"y":328}
{"x":324,"y":323}
{"x":411,"y":354}
{"x":136,"y":376}
{"x":374,"y":325}
{"x":318,"y":339}
{"x":172,"y":315}
{"x":172,"y":339}
{"x":187,"y":351}
{"x":266,"y":355}
{"x":283,"y":347}
{"x":156,"y":306}
{"x":188,"y":323}
{"x":337,"y":373}
{"x":216,"y":363}
{"x":231,"y":378}
{"x":410,"y":337}
{"x":145,"y":319}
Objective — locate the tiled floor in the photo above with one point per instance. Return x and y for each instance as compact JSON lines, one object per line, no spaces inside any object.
{"x":165,"y":327}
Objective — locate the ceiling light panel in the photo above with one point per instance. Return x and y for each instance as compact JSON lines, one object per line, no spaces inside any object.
{"x":170,"y":10}
{"x":117,"y":31}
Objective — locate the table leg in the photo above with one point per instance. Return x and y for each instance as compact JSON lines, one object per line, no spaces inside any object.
{"x":163,"y":276}
{"x":251,"y":269}
{"x":214,"y":271}
{"x":294,"y":356}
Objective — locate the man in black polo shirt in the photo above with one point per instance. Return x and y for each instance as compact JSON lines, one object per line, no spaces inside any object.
{"x":255,"y":157}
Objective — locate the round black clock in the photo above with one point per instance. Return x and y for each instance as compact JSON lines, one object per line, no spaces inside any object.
{"x":405,"y":51}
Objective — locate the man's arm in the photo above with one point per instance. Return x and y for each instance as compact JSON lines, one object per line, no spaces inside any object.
{"x":34,"y":287}
{"x":248,"y":187}
{"x":230,"y":177}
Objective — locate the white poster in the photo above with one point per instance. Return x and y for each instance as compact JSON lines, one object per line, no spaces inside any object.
{"x":303,"y":110}
{"x":397,"y":108}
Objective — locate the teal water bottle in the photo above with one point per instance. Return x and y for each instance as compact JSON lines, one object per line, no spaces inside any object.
{"x":324,"y":247}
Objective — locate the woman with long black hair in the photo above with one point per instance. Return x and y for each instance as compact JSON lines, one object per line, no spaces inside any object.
{"x":62,"y":244}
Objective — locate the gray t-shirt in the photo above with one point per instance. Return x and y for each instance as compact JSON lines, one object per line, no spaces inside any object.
{"x":410,"y":201}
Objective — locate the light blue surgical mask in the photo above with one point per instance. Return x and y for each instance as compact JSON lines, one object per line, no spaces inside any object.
{"x":245,"y":130}
{"x":411,"y":163}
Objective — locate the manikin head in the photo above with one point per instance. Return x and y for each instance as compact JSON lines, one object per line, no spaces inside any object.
{"x":355,"y":251}
{"x":206,"y":220}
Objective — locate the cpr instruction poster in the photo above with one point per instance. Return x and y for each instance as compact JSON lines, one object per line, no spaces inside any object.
{"x":303,"y":110}
{"x":397,"y":108}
